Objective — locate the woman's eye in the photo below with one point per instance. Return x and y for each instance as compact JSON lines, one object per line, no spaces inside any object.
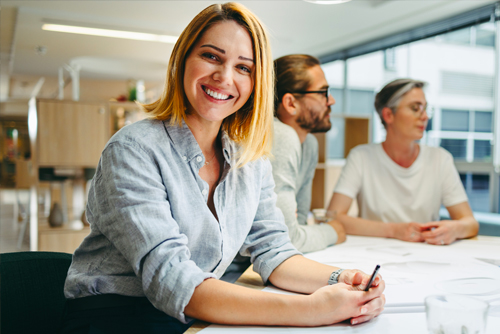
{"x":209,"y":56}
{"x":245,"y":69}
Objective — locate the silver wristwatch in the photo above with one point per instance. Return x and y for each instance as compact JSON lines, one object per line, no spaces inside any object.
{"x":334,"y":277}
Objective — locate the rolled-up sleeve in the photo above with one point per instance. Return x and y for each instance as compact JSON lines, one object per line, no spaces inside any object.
{"x":135,"y":216}
{"x":268,"y":243}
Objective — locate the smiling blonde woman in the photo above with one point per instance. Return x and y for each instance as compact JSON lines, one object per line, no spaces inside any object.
{"x":177,"y":196}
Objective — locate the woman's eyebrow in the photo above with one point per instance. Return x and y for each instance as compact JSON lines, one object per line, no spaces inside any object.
{"x":214,"y":47}
{"x":245,"y":58}
{"x":224,"y":52}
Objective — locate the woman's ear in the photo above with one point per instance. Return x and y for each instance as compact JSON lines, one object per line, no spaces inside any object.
{"x":387,"y":115}
{"x":289,"y":103}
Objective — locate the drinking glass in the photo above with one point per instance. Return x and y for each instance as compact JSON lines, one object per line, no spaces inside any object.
{"x":455,"y":314}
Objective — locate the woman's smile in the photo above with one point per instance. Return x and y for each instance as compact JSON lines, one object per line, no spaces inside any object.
{"x":215,"y":94}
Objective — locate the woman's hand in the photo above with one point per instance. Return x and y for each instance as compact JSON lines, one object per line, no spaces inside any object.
{"x":339,"y":302}
{"x":357,"y":277}
{"x":442,"y":232}
{"x":408,"y":232}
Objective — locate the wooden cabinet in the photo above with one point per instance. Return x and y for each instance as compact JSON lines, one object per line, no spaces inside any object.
{"x":356,"y":132}
{"x":71,"y":134}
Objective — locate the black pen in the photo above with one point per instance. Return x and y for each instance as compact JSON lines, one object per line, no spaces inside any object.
{"x":377,"y":267}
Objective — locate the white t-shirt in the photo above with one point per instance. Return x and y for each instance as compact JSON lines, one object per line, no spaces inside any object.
{"x":390,"y":193}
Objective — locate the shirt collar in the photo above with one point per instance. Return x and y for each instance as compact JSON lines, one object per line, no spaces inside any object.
{"x":186,"y":145}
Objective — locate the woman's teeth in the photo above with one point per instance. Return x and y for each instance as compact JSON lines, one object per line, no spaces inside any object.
{"x":215,"y":95}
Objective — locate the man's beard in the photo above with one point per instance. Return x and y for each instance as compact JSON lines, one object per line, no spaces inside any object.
{"x":315,"y":122}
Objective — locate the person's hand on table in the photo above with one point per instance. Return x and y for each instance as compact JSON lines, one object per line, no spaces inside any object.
{"x":439,"y":232}
{"x":348,"y":300}
{"x":408,"y":232}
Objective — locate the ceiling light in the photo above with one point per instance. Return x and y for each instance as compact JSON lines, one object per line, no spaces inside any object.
{"x":327,"y":2}
{"x":110,"y":33}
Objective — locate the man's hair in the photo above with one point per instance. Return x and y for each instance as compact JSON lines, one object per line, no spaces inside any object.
{"x":250,"y":126}
{"x":390,"y":96}
{"x":291,"y":75}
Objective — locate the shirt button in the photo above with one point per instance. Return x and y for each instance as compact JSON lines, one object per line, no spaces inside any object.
{"x":204,"y":191}
{"x":184,"y":158}
{"x":199,"y":159}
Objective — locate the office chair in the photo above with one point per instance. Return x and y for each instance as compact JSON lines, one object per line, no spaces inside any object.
{"x":31,"y":291}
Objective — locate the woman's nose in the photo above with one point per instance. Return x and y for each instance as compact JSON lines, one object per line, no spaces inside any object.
{"x":223,"y":74}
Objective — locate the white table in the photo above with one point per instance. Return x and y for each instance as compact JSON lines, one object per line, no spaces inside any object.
{"x":412,"y":271}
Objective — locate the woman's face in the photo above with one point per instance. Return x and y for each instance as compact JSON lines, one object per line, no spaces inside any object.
{"x":410,"y":118}
{"x":218,"y":77}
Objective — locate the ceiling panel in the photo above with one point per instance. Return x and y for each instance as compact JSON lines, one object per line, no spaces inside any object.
{"x":294,"y":26}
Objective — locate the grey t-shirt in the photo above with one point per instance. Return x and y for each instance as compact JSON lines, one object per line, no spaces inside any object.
{"x":293,"y":171}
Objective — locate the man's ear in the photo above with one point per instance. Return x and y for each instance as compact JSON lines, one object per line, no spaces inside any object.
{"x":387,"y":115}
{"x":289,"y":103}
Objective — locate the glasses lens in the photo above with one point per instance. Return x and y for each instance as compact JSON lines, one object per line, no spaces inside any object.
{"x":430,"y":112}
{"x":329,"y":92}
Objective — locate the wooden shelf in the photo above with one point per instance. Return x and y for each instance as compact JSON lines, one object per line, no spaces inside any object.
{"x":356,"y":132}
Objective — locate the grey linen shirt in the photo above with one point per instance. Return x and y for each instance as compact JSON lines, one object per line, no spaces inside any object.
{"x":152,"y":233}
{"x":294,"y":165}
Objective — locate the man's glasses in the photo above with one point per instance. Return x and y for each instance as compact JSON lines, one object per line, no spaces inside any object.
{"x":325,"y":92}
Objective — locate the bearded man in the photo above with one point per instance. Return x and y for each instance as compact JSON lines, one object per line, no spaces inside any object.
{"x":302,"y":106}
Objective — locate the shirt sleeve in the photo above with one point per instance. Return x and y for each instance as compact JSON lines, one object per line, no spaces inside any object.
{"x":350,"y":179}
{"x":304,"y":190}
{"x":453,"y":191}
{"x":294,"y":201}
{"x":134,"y":215}
{"x":268,"y":243}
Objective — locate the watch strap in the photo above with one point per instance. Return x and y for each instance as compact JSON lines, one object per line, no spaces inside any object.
{"x":334,"y":277}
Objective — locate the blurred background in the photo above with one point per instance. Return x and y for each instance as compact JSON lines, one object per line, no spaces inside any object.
{"x":71,"y":71}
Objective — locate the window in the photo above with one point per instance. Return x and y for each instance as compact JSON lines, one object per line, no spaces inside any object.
{"x":485,"y":34}
{"x":471,"y":84}
{"x":457,"y":147}
{"x":361,"y":102}
{"x":459,"y":68}
{"x":482,"y":150}
{"x":483,"y":121}
{"x":461,"y":36}
{"x":482,"y":35}
{"x":477,"y":187}
{"x":335,"y":138}
{"x":454,"y":120}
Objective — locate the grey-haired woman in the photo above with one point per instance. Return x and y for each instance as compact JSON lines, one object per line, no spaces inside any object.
{"x":400,"y":184}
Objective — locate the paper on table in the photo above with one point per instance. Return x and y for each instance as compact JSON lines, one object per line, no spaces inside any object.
{"x":412,"y":270}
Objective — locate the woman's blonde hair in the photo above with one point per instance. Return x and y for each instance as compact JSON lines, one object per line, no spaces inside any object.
{"x":250,"y":126}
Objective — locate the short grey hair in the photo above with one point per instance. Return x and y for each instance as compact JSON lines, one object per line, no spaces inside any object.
{"x":390,"y":96}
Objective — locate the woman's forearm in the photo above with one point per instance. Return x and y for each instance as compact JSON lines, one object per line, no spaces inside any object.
{"x":224,"y":303}
{"x":467,"y":227}
{"x":294,"y":274}
{"x":220,"y":302}
{"x":360,"y":226}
